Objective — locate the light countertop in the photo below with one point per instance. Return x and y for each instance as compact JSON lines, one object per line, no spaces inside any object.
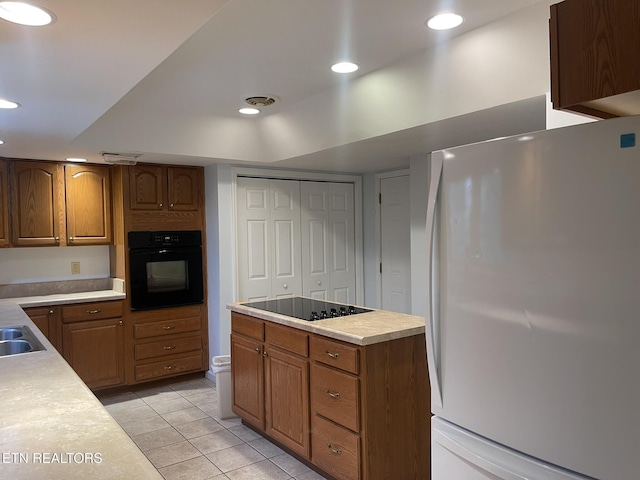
{"x":362,"y":329}
{"x":65,"y":298}
{"x":51,"y":424}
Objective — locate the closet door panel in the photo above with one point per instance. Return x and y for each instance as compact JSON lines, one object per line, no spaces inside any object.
{"x":341,"y":217}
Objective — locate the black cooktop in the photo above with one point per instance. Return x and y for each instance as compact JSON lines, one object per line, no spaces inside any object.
{"x":306,"y":308}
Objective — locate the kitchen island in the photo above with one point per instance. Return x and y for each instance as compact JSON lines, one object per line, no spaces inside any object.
{"x":51,"y":425}
{"x":349,"y":394}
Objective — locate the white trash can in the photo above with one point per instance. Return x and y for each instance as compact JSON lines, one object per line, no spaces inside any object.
{"x":221,"y":367}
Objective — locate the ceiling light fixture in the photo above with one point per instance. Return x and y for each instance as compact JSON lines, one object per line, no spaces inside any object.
{"x":1,"y":142}
{"x":25,"y":14}
{"x":249,"y":111}
{"x":8,"y":104}
{"x":76,"y":160}
{"x":344,"y":67}
{"x":444,"y":21}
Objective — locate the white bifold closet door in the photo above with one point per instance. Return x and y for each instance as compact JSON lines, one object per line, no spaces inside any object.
{"x":268,"y":238}
{"x":295,"y":238}
{"x":328,"y":239}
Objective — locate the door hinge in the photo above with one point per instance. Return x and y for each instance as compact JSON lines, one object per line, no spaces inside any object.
{"x":380,"y":267}
{"x":380,"y":198}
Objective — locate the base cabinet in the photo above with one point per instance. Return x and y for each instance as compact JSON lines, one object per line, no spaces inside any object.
{"x":93,"y":342}
{"x":355,"y":412}
{"x":48,"y":320}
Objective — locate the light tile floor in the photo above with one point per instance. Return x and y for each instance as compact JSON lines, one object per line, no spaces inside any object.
{"x":178,"y":428}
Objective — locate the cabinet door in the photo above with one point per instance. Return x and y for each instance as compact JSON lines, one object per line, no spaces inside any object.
{"x":4,"y":204}
{"x":287,"y":400}
{"x":48,"y":321}
{"x":88,"y":190}
{"x":147,"y":187}
{"x":183,"y":188}
{"x":95,"y":350}
{"x":247,"y":370}
{"x":37,"y":204}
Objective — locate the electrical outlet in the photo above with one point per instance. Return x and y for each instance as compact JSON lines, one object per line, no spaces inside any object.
{"x":75,"y":268}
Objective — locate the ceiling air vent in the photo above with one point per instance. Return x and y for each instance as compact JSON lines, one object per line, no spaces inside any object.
{"x":260,"y":101}
{"x":120,"y":158}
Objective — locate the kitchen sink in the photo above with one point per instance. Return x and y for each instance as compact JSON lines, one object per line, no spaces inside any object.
{"x":17,"y":340}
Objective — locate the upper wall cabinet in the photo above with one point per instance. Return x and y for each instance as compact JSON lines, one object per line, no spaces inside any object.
{"x":53,"y":204}
{"x":595,"y":57}
{"x":4,"y":204}
{"x":37,"y":204}
{"x":88,"y":194}
{"x":154,"y":187}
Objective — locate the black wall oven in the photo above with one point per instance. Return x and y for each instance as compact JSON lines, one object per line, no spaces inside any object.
{"x":165,"y":269}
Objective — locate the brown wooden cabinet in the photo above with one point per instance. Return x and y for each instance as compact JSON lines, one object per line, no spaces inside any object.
{"x":48,"y":320}
{"x":54,"y":204}
{"x":595,"y":57}
{"x":4,"y":204}
{"x":168,"y":342}
{"x":93,"y":342}
{"x":156,"y":187}
{"x":37,"y":203}
{"x":271,"y":380}
{"x":356,"y":412}
{"x":88,"y":204}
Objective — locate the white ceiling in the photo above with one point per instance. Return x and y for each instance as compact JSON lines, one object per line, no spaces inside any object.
{"x":157,"y":77}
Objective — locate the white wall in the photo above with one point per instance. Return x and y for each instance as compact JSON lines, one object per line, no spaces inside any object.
{"x":49,"y":264}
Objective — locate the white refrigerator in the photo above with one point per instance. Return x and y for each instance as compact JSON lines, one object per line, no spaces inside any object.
{"x":533,"y":325}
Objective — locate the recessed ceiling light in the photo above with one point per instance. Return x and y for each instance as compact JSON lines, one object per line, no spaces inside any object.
{"x":25,"y":14}
{"x":77,"y":160}
{"x":1,"y":142}
{"x":444,"y":21}
{"x":249,"y":111}
{"x":8,"y":104}
{"x":344,"y":67}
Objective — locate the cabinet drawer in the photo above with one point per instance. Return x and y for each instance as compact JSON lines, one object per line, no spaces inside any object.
{"x":167,"y":346}
{"x":247,"y":326}
{"x":91,"y":311}
{"x":166,"y":327}
{"x":295,"y":341}
{"x":168,"y":367}
{"x":336,"y":396}
{"x":338,"y":355}
{"x":335,"y":449}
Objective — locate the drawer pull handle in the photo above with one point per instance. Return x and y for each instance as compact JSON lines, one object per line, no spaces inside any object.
{"x":170,"y":347}
{"x":333,"y":395}
{"x":169,"y":367}
{"x":333,"y":450}
{"x":332,"y":355}
{"x":169,"y":327}
{"x":91,"y":312}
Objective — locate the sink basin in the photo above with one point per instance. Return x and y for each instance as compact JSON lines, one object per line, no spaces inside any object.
{"x":13,"y":347}
{"x":10,"y":333}
{"x":17,"y":340}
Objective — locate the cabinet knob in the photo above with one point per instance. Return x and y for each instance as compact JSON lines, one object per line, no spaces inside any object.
{"x":70,"y":239}
{"x":264,"y":354}
{"x":319,"y":282}
{"x":171,"y":205}
{"x":160,"y":205}
{"x":258,"y":350}
{"x":285,"y":286}
{"x":50,"y":312}
{"x":120,"y":323}
{"x":57,"y":239}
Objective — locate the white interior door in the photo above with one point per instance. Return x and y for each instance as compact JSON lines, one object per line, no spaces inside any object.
{"x":395,"y":244}
{"x":328,"y":240}
{"x":268,"y":226}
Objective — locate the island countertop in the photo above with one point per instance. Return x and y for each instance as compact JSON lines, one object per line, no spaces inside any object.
{"x":361,"y":329}
{"x":51,"y":424}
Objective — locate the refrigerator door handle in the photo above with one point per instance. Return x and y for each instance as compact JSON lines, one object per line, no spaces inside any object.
{"x":433,"y":287}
